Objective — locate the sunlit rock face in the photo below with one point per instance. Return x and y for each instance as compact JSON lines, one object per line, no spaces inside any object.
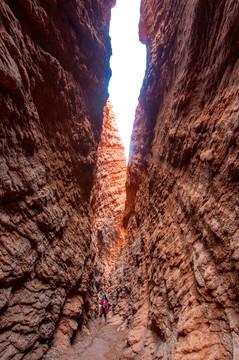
{"x":54,"y":72}
{"x":108,"y":199}
{"x":178,"y":272}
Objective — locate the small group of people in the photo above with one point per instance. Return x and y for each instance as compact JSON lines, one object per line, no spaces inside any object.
{"x":103,"y":307}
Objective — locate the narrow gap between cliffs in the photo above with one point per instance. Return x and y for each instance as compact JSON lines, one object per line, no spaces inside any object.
{"x":108,"y":194}
{"x":108,"y":197}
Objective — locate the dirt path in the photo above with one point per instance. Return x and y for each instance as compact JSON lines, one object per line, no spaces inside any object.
{"x":102,"y":342}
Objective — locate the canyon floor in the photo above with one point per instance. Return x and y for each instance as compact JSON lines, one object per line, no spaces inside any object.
{"x":99,"y":342}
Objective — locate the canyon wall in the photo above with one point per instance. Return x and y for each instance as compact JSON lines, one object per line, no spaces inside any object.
{"x":177,"y":275}
{"x":108,"y":200}
{"x":54,"y":73}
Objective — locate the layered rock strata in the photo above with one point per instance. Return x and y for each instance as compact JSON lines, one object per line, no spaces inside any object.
{"x":108,"y":199}
{"x":54,"y":72}
{"x":177,"y":276}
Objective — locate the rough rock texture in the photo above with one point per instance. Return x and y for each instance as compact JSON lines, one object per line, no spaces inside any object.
{"x":178,"y":271}
{"x":54,"y":72}
{"x":108,"y":199}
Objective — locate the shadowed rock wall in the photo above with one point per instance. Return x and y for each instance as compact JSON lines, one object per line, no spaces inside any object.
{"x":177,"y":276}
{"x":54,"y":72}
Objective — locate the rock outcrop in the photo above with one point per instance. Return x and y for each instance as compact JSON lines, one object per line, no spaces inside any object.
{"x":108,"y":200}
{"x":177,"y":276}
{"x":54,"y":72}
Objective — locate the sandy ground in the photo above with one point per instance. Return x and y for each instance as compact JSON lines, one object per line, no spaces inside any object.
{"x":102,"y":342}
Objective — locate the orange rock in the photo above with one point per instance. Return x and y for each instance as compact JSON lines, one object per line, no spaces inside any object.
{"x":108,"y":196}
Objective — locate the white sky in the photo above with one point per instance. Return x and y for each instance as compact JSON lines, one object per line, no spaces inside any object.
{"x":128,"y":64}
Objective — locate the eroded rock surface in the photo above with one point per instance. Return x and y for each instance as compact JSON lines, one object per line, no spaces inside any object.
{"x":54,"y":72}
{"x":177,"y":276}
{"x":108,"y":199}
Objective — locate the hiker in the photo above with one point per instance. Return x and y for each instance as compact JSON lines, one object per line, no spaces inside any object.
{"x":104,"y":308}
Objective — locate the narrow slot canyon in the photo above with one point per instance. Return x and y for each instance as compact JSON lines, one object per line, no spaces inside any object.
{"x":160,"y":235}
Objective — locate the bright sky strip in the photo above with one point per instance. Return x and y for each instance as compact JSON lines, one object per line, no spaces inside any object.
{"x":128,"y":65}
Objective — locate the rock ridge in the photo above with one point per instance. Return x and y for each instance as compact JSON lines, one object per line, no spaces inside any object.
{"x":108,"y":199}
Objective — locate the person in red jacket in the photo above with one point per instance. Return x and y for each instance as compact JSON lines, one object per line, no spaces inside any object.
{"x":104,"y":308}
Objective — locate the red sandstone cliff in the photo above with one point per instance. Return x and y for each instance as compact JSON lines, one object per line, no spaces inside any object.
{"x":108,"y":198}
{"x":176,"y":281}
{"x":54,"y":72}
{"x":177,"y":276}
